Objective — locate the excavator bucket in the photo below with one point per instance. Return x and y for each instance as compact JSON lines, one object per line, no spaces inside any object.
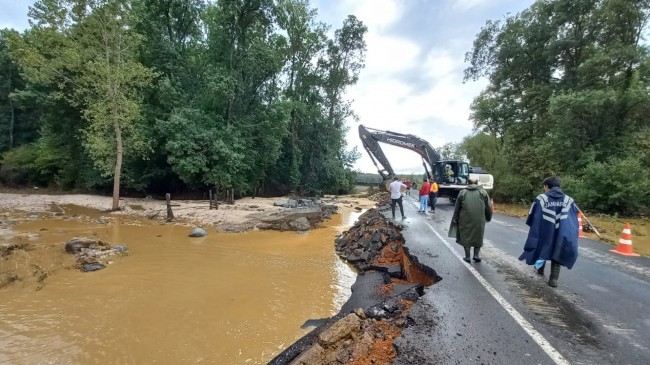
{"x":385,"y":185}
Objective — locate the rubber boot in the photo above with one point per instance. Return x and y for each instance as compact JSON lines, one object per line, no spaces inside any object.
{"x":466,"y":258}
{"x":555,"y":274}
{"x":477,"y":258}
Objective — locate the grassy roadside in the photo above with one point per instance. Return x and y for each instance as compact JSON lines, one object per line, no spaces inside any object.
{"x":609,"y":227}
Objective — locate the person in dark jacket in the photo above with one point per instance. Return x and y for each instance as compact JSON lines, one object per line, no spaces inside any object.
{"x":472,"y":211}
{"x":553,"y":233}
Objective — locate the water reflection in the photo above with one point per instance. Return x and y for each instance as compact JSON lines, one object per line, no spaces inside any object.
{"x":221,"y":299}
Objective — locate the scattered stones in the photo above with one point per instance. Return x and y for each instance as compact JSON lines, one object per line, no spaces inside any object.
{"x":298,"y":219}
{"x":92,"y":254}
{"x":297,"y":203}
{"x":76,"y":245}
{"x":103,"y":220}
{"x":198,"y":232}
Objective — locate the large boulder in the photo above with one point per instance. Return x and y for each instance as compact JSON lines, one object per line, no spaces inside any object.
{"x":300,"y":224}
{"x":92,"y":267}
{"x":198,"y":232}
{"x":77,"y":244}
{"x":301,"y":219}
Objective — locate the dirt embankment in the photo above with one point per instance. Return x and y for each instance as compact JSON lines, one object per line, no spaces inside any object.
{"x":390,"y":280}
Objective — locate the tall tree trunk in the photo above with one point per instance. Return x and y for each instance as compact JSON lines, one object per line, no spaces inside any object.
{"x":12,"y":123}
{"x":118,"y":167}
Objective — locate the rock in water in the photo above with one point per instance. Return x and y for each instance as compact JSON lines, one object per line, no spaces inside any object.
{"x":300,"y":224}
{"x":198,"y":232}
{"x":92,"y":267}
{"x":76,"y":244}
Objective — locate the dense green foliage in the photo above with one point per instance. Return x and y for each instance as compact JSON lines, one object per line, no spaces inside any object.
{"x":179,"y":94}
{"x":568,"y":96}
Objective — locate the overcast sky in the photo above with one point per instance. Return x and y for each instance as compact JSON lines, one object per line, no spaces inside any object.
{"x":412,"y":82}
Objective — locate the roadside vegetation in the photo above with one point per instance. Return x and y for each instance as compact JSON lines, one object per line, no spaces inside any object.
{"x":567,"y":95}
{"x":164,"y":96}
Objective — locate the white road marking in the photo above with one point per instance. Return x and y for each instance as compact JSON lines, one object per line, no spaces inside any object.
{"x":523,"y":323}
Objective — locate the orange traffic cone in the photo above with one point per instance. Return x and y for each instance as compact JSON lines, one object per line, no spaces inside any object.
{"x":625,"y":243}
{"x":581,"y":233}
{"x":494,"y":209}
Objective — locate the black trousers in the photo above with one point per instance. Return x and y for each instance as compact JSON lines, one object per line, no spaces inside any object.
{"x":433,"y":197}
{"x":401,"y":206}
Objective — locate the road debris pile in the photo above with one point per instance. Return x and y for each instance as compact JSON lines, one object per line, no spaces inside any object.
{"x":374,"y":243}
{"x":390,"y":281}
{"x":382,"y":198}
{"x":300,"y":203}
{"x":362,"y":337}
{"x":93,"y":254}
{"x":301,"y":215}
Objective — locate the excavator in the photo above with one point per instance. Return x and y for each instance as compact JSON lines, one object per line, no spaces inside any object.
{"x":451,"y":175}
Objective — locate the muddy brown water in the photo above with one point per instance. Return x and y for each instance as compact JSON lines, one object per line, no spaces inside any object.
{"x":221,"y":299}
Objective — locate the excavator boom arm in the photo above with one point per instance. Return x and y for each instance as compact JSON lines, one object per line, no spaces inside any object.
{"x":371,"y":138}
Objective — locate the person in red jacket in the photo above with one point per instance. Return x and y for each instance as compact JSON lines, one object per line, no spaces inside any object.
{"x":408,"y":187}
{"x":424,"y":196}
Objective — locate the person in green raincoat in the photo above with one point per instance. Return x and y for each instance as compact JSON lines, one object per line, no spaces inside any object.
{"x":472,"y":211}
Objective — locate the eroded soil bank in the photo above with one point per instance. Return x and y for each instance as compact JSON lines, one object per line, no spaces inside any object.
{"x":390,"y":281}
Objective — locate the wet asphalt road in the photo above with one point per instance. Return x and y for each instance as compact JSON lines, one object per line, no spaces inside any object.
{"x":599,"y":314}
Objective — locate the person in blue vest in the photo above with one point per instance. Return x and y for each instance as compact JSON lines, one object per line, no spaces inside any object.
{"x":553,"y":234}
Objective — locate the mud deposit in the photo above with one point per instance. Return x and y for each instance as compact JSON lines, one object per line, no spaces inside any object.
{"x":390,"y":281}
{"x":221,"y":299}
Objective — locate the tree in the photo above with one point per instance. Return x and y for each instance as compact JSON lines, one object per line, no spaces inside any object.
{"x":96,"y":58}
{"x":452,"y":151}
{"x":112,"y":78}
{"x":240,"y":94}
{"x":567,"y":94}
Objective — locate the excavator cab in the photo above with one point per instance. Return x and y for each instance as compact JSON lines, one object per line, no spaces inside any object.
{"x":452,"y":173}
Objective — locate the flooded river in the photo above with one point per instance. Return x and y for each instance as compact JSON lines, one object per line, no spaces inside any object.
{"x":220,"y":299}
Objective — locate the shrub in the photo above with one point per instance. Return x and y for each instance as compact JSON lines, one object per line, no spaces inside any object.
{"x":17,"y":166}
{"x":619,"y":186}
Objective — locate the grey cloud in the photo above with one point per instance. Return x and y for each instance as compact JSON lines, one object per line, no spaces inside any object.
{"x":436,"y":23}
{"x":435,"y":127}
